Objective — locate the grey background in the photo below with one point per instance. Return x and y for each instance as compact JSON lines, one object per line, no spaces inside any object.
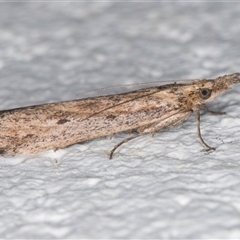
{"x":161,"y":187}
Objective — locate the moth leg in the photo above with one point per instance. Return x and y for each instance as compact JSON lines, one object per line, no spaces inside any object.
{"x":122,"y":142}
{"x":155,"y":127}
{"x":212,"y":112}
{"x":111,"y":136}
{"x":199,"y":132}
{"x":159,"y":125}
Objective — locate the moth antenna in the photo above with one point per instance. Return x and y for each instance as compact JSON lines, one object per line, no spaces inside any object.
{"x":159,"y":83}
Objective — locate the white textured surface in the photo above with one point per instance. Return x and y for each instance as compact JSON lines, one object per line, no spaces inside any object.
{"x":161,"y":187}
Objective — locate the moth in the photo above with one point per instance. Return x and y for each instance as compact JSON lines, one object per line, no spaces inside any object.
{"x":29,"y":130}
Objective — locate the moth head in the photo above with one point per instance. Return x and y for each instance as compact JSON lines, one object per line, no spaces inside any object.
{"x":209,"y":89}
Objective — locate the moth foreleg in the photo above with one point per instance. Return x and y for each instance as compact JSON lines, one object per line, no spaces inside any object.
{"x":212,"y":112}
{"x":199,"y":131}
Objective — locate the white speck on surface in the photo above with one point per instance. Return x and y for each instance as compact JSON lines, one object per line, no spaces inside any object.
{"x":155,"y":187}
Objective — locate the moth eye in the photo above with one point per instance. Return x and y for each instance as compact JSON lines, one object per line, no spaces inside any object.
{"x":205,"y":93}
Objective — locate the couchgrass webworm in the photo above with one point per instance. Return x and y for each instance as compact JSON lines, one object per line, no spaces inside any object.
{"x":32,"y":129}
